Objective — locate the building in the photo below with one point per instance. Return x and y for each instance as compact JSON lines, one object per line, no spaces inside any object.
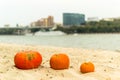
{"x":50,"y":21}
{"x":44,"y":22}
{"x":73,"y":19}
{"x":93,"y":19}
{"x":7,"y":25}
{"x":108,"y":19}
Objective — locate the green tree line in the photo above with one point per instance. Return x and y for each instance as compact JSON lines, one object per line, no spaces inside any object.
{"x":93,"y":27}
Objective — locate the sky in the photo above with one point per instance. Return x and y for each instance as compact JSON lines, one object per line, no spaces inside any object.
{"x":24,"y":12}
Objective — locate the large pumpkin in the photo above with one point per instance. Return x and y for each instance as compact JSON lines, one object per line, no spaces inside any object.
{"x":87,"y":67}
{"x":27,"y":59}
{"x":59,"y":61}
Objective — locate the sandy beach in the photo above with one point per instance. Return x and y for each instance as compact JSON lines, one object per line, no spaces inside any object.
{"x":107,"y":64}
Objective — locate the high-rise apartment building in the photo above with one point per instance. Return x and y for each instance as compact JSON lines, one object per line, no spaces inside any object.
{"x":44,"y":22}
{"x":50,"y":21}
{"x":73,"y":19}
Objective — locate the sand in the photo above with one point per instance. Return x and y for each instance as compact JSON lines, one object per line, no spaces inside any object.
{"x":107,"y":64}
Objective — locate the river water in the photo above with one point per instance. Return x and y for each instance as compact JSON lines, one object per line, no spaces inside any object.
{"x":87,"y":41}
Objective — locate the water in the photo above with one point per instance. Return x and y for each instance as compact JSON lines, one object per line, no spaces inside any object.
{"x":88,"y":41}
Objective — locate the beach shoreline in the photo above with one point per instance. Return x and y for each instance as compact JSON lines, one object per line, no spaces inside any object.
{"x":107,"y":64}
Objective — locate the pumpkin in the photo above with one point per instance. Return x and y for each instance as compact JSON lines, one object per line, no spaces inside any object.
{"x":87,"y":67}
{"x":27,"y":59}
{"x":59,"y":61}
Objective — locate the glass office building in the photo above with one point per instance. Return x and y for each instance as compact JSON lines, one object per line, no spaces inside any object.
{"x":73,"y":19}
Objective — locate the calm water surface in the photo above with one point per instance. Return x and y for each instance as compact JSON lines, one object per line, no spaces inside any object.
{"x":89,"y":41}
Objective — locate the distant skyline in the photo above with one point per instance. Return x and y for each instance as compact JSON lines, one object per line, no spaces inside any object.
{"x":26,"y":11}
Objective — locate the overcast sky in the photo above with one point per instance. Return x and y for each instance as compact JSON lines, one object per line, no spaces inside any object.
{"x":25,"y":11}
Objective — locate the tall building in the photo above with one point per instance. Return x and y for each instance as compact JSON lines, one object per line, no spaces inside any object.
{"x":73,"y":19}
{"x":50,"y":21}
{"x":44,"y":22}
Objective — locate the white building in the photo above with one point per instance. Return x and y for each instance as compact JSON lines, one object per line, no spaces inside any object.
{"x":108,"y":19}
{"x":93,"y":19}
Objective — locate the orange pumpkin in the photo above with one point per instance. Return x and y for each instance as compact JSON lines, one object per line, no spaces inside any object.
{"x":27,"y":59}
{"x":59,"y":61}
{"x":87,"y":67}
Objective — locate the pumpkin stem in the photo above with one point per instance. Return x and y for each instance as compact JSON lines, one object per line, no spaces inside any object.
{"x":30,"y":56}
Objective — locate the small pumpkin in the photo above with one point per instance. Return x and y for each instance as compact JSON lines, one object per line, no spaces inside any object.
{"x":27,"y":59}
{"x":87,"y":67}
{"x":59,"y":61}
